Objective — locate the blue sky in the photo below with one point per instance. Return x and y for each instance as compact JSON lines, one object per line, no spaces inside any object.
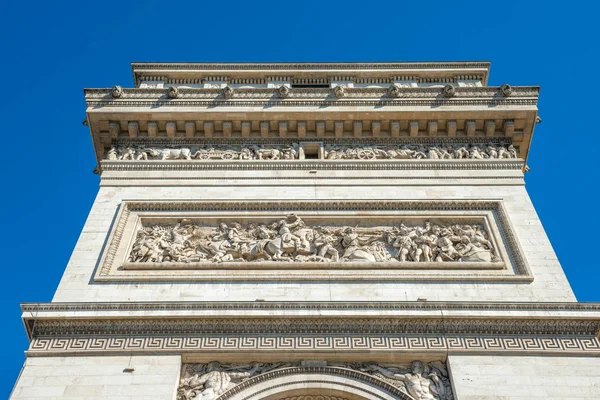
{"x":54,"y":49}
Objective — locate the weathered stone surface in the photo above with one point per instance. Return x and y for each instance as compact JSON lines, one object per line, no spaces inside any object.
{"x":221,"y":162}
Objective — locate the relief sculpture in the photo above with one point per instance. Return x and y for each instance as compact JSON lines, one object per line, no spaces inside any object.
{"x":332,"y":152}
{"x":290,"y":239}
{"x":421,"y":381}
{"x":250,"y":152}
{"x":435,"y":152}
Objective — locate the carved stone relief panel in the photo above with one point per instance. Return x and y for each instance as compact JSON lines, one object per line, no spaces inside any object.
{"x":205,"y":152}
{"x":292,"y":151}
{"x":418,"y":380}
{"x":292,"y":238}
{"x":355,"y":240}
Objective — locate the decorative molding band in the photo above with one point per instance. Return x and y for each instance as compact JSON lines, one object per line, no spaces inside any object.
{"x":304,"y":165}
{"x":370,"y":183}
{"x":315,"y":344}
{"x":323,"y":94}
{"x":313,"y":205}
{"x":311,"y":305}
{"x":325,"y":325}
{"x":163,"y":101}
{"x":397,"y":141}
{"x":308,"y":66}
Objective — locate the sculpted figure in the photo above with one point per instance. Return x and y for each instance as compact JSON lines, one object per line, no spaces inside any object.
{"x":246,"y":154}
{"x":461,"y":152}
{"x":286,"y":234}
{"x":439,"y":153}
{"x":112,"y":154}
{"x":418,"y":386}
{"x":403,"y":241}
{"x":233,"y":235}
{"x":129,"y":154}
{"x":141,"y":155}
{"x":420,"y":152}
{"x":117,"y":91}
{"x":332,"y":152}
{"x":339,"y":91}
{"x":283,"y":91}
{"x":213,"y":382}
{"x":469,"y":252}
{"x":424,"y":242}
{"x":352,"y":244}
{"x":228,"y":92}
{"x":290,"y":239}
{"x":394,"y":90}
{"x":290,"y":153}
{"x":334,"y":155}
{"x":325,"y":246}
{"x":445,"y":250}
{"x":475,"y":235}
{"x":433,"y":153}
{"x":475,"y":153}
{"x":492,"y":152}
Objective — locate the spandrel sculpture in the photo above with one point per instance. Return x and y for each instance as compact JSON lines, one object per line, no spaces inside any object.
{"x":290,"y":239}
{"x":209,"y":381}
{"x":422,"y":381}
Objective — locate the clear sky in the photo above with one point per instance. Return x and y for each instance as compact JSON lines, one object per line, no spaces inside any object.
{"x":52,"y":50}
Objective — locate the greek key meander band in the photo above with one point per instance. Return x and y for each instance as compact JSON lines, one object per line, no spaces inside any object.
{"x":179,"y":344}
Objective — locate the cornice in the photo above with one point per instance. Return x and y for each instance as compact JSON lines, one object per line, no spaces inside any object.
{"x":322,"y":325}
{"x":267,"y":66}
{"x":465,"y":96}
{"x":331,"y":318}
{"x":310,"y":305}
{"x":307,"y":327}
{"x":140,"y":69}
{"x":312,"y":327}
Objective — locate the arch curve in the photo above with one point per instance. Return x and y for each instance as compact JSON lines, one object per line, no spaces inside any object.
{"x":333,"y":382}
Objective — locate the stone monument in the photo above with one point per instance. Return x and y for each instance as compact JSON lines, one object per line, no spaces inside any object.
{"x":312,"y":231}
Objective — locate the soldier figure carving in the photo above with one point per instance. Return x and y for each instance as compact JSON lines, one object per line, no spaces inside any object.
{"x":291,"y":240}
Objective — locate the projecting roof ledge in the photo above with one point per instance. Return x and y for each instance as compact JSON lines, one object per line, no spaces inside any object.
{"x":196,"y":72}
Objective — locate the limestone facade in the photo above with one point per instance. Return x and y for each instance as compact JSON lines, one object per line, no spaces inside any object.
{"x":310,"y":231}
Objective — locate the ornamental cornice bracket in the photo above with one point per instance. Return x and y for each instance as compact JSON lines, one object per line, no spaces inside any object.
{"x":117,"y":91}
{"x":173,"y":92}
{"x":228,"y":92}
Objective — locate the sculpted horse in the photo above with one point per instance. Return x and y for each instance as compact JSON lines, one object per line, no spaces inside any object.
{"x":267,"y":154}
{"x":278,"y":250}
{"x":270,"y":249}
{"x":183,"y":153}
{"x":218,"y":250}
{"x":358,"y":255}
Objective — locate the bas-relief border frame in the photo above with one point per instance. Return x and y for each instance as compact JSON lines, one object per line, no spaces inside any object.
{"x":107,"y":271}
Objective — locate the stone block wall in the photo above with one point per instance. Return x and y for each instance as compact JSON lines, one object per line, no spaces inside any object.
{"x":549,"y":282}
{"x":525,"y":378}
{"x":98,"y":378}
